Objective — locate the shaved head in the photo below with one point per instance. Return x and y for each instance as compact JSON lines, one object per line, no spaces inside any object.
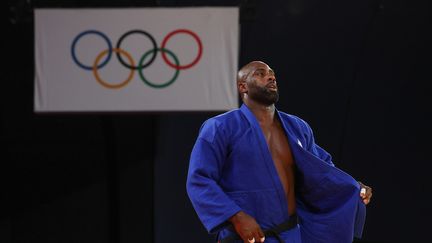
{"x":246,"y":69}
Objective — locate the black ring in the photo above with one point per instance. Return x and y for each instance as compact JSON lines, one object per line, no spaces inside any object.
{"x":137,"y":32}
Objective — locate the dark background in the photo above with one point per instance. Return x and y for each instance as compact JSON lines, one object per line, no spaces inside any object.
{"x":358,"y":71}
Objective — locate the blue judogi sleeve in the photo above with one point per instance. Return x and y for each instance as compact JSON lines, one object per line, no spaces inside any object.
{"x":212,"y":205}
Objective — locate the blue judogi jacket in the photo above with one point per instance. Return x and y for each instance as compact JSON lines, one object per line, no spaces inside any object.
{"x":231,"y":169}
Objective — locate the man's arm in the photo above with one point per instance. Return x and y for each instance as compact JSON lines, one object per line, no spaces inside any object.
{"x":365,"y":191}
{"x":214,"y":208}
{"x":312,"y":147}
{"x":211,"y":203}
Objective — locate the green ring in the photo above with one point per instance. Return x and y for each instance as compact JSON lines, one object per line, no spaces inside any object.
{"x":163,"y":85}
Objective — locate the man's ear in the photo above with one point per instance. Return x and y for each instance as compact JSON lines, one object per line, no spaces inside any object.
{"x":242,"y":87}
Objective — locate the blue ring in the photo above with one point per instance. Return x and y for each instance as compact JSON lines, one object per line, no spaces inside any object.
{"x":91,"y":32}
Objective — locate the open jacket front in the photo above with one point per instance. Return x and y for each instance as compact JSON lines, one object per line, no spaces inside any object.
{"x":231,"y":169}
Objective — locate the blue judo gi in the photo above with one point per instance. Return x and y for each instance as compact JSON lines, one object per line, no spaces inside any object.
{"x":231,"y":169}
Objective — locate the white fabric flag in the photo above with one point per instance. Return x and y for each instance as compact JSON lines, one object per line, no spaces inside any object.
{"x":151,"y":59}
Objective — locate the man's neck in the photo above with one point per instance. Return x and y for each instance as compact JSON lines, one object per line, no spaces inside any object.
{"x":264,"y":114}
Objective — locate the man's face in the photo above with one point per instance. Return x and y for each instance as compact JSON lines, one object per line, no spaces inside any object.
{"x":262,"y":86}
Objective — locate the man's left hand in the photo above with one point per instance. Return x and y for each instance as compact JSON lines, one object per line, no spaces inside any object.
{"x":365,"y":193}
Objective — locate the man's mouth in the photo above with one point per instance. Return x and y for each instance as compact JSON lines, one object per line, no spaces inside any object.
{"x":272,"y":86}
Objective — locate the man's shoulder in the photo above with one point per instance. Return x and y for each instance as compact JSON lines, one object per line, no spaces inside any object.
{"x":224,"y":118}
{"x":293,"y":120}
{"x":223,"y":123}
{"x":290,"y":117}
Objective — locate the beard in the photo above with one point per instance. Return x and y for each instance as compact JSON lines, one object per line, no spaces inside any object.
{"x":263,"y":95}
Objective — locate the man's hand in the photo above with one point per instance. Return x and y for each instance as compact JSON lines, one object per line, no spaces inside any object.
{"x":247,"y":228}
{"x":365,"y":193}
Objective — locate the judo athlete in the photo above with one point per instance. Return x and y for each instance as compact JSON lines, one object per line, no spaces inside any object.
{"x":256,"y":174}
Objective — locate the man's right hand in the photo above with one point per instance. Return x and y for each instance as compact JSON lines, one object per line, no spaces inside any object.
{"x":247,"y":228}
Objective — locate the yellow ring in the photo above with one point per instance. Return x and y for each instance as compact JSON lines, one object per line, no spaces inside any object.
{"x":108,"y":85}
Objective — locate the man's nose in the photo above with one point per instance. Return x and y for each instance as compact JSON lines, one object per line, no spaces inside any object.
{"x":271,"y":77}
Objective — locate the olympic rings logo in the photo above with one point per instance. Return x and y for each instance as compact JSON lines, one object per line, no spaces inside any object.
{"x":104,"y":57}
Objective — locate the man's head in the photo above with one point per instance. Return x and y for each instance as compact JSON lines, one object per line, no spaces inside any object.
{"x":256,"y":81}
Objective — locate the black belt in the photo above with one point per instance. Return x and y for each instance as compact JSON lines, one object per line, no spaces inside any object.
{"x":273,"y":232}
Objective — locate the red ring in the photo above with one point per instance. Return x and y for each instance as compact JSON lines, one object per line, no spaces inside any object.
{"x":195,"y":36}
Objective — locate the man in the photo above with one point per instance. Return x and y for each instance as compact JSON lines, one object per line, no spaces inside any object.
{"x":256,"y":174}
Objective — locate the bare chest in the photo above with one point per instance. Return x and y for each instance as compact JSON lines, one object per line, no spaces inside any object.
{"x":278,"y":145}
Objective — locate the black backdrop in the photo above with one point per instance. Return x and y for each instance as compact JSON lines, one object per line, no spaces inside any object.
{"x":358,"y":71}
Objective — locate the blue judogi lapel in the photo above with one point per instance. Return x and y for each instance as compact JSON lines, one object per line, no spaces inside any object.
{"x":268,"y":160}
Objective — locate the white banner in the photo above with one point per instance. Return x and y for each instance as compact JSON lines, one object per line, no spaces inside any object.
{"x":153,"y":59}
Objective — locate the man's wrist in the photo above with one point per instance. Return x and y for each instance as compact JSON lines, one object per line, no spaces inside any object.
{"x":235,"y":217}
